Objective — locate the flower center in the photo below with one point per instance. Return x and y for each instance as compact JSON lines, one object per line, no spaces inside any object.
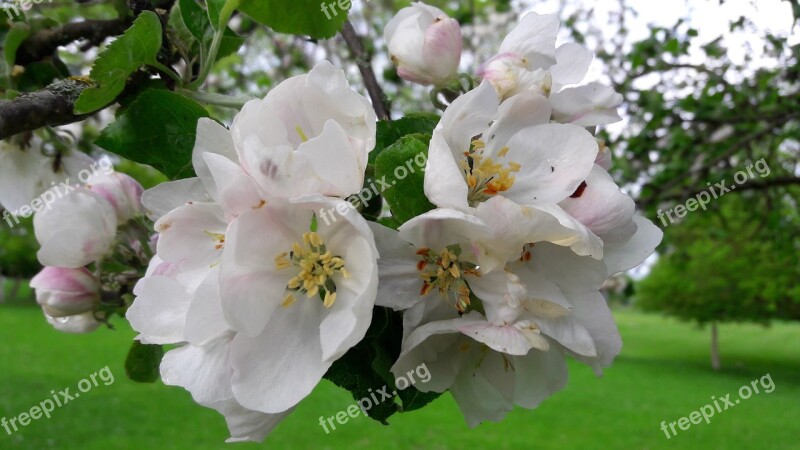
{"x":485,"y":177}
{"x":317,"y":265}
{"x":445,"y":272}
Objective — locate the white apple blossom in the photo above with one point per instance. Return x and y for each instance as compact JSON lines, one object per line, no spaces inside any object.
{"x":482,"y":150}
{"x":311,"y":134}
{"x":174,"y":307}
{"x":528,"y":61}
{"x":424,"y":44}
{"x":299,"y":296}
{"x":513,"y":352}
{"x":244,"y":271}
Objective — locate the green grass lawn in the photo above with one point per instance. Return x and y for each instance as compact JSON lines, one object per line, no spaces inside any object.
{"x":662,"y":374}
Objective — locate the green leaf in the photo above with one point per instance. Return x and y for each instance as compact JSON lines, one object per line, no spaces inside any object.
{"x":354,"y":372}
{"x":138,"y":46}
{"x":157,"y":129}
{"x":320,"y":20}
{"x":143,"y":361}
{"x":199,"y":23}
{"x":386,"y":348}
{"x":402,"y":166}
{"x":14,"y":38}
{"x":390,"y":131}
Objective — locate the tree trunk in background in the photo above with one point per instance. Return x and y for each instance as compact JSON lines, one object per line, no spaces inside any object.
{"x":714,"y":347}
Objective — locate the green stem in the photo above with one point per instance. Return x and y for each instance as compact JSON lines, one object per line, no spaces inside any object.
{"x":225,"y":101}
{"x":166,"y":70}
{"x":224,"y":17}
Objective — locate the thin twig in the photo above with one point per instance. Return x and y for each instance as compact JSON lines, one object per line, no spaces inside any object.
{"x":364,"y":61}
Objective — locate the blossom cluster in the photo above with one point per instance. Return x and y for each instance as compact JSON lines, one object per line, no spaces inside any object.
{"x":264,"y":296}
{"x":497,"y":284}
{"x":81,"y":230}
{"x":528,"y":226}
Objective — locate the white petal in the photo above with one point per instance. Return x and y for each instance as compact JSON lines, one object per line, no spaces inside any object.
{"x":502,"y":338}
{"x":573,"y":64}
{"x":327,"y":164}
{"x":436,"y":345}
{"x":192,"y":236}
{"x":76,"y":230}
{"x":236,"y":192}
{"x":205,"y":320}
{"x":159,"y":311}
{"x":204,"y":371}
{"x":515,"y":225}
{"x":555,"y":160}
{"x":346,"y":322}
{"x":539,"y":375}
{"x":603,"y":208}
{"x":590,"y":309}
{"x":276,"y":369}
{"x":445,"y":185}
{"x":588,"y":105}
{"x":625,"y":256}
{"x":441,"y":227}
{"x":468,"y":116}
{"x":400,"y":283}
{"x":519,"y":112}
{"x":251,"y":285}
{"x":246,"y":425}
{"x":485,"y":391}
{"x":212,"y":138}
{"x":567,"y":269}
{"x":165,"y":197}
{"x":534,"y":37}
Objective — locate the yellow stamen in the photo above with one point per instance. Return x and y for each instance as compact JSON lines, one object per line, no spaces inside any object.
{"x":301,"y":133}
{"x":330,"y":299}
{"x":288,"y":300}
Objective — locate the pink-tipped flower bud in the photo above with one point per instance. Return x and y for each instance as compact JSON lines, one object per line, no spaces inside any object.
{"x":121,"y":191}
{"x":66,"y":292}
{"x":424,"y":44}
{"x":77,"y":324}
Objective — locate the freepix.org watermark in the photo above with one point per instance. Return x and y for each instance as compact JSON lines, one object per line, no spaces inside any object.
{"x":373,"y":189}
{"x":12,"y":9}
{"x":333,"y":8}
{"x":365,"y":404}
{"x":58,"y":191}
{"x":716,"y":190}
{"x":718,"y":405}
{"x":46,"y":407}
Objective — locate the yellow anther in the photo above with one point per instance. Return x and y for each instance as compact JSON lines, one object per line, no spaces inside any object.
{"x":330,"y":299}
{"x":288,"y":300}
{"x":315,"y":265}
{"x":503,"y":152}
{"x":281,"y":261}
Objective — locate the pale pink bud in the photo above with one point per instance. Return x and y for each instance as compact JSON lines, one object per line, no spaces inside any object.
{"x":425,"y":45}
{"x":77,"y":324}
{"x":121,"y":191}
{"x":509,"y":74}
{"x":65,"y":292}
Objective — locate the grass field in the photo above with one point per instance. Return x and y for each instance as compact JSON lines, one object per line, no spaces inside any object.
{"x":662,"y":374}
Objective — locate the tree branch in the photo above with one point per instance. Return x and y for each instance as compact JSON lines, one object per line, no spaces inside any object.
{"x":51,"y":106}
{"x":364,"y":61}
{"x":45,"y":42}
